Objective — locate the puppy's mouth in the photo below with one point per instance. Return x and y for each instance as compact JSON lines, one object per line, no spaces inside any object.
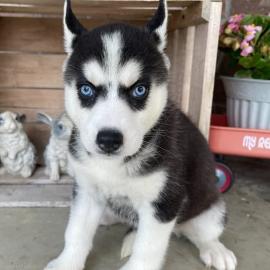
{"x":101,"y":153}
{"x":109,"y":154}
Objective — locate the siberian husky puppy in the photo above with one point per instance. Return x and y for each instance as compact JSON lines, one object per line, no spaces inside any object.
{"x":132,"y":151}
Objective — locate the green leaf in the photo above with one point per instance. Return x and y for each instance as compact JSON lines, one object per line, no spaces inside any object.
{"x":263,"y":64}
{"x":256,"y":19}
{"x":263,"y":74}
{"x":265,"y":38}
{"x":248,"y":19}
{"x":243,"y":73}
{"x":250,"y":61}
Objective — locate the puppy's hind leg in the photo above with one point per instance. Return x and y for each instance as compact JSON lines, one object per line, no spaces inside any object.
{"x":204,"y":231}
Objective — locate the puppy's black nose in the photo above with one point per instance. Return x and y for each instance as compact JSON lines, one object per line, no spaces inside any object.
{"x":109,"y":140}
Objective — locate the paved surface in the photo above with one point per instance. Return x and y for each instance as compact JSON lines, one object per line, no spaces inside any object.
{"x":31,"y":237}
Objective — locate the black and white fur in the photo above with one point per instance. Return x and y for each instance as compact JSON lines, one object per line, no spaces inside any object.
{"x":161,"y":180}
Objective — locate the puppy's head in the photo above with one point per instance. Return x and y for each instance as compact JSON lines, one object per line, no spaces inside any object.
{"x":115,"y":82}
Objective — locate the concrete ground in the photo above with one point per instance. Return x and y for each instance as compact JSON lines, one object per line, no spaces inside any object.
{"x":30,"y":237}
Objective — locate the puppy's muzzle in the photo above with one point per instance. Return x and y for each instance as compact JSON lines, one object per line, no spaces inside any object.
{"x":109,"y":140}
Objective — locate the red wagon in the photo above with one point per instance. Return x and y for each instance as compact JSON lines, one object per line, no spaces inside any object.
{"x":226,"y":140}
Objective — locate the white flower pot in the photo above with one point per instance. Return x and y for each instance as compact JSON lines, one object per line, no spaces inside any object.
{"x":248,"y":102}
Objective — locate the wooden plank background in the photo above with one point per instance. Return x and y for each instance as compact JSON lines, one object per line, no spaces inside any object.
{"x":31,"y":59}
{"x":93,"y":8}
{"x":31,"y":70}
{"x":32,"y":98}
{"x":41,"y":35}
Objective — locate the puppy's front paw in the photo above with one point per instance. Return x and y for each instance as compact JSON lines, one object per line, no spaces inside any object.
{"x":218,"y":256}
{"x":62,"y":264}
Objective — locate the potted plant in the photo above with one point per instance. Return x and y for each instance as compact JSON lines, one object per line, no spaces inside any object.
{"x":246,"y":40}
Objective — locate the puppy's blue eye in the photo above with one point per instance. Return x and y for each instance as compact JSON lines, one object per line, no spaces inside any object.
{"x":87,"y":90}
{"x":139,"y":91}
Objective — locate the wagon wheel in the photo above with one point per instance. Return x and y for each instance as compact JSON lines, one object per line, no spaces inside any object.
{"x":224,"y":177}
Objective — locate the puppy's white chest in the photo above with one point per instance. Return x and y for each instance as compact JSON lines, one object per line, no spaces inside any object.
{"x":112,"y":179}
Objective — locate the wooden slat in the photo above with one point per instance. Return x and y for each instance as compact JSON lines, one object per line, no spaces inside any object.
{"x":27,"y":70}
{"x":35,"y":195}
{"x":203,"y":70}
{"x":210,"y":67}
{"x":189,"y":58}
{"x":182,"y":55}
{"x":32,"y":98}
{"x":99,"y":3}
{"x":38,"y":34}
{"x":195,"y":14}
{"x":193,"y":55}
{"x":111,"y":10}
{"x":31,"y":35}
{"x":38,"y":178}
{"x":197,"y":74}
{"x":176,"y":52}
{"x":82,"y":11}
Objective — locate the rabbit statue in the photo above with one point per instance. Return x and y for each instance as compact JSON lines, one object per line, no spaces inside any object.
{"x":17,"y":153}
{"x":56,"y":151}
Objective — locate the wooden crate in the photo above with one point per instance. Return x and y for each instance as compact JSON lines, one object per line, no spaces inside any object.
{"x":31,"y":53}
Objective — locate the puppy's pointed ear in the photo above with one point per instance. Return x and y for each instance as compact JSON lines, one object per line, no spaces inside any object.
{"x":72,"y":27}
{"x":158,"y":24}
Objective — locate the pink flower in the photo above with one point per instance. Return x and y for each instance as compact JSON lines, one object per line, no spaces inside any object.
{"x":251,"y":31}
{"x":237,"y":18}
{"x":233,"y":26}
{"x":250,"y":36}
{"x":247,"y":51}
{"x":252,"y":28}
{"x":222,"y":27}
{"x":244,"y":44}
{"x":246,"y":48}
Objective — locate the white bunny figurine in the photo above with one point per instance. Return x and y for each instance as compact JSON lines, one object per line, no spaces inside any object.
{"x":17,"y":153}
{"x":56,"y":151}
